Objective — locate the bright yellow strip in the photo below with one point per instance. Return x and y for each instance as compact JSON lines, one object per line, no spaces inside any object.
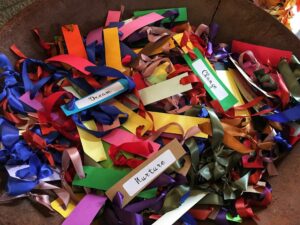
{"x":227,"y":76}
{"x":178,"y":37}
{"x":112,"y":48}
{"x":186,"y":122}
{"x":57,"y":206}
{"x":92,"y":146}
{"x":134,"y":120}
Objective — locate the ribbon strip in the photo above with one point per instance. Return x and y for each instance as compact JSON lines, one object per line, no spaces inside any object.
{"x":138,"y":23}
{"x":86,"y":210}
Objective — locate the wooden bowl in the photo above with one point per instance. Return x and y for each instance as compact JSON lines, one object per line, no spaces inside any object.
{"x":238,"y":19}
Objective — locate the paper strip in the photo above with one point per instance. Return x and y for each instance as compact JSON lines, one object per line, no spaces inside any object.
{"x":263,"y":54}
{"x":86,"y":210}
{"x":182,"y":14}
{"x":57,"y":206}
{"x":119,"y":136}
{"x":77,"y":62}
{"x":172,"y":216}
{"x":97,"y":97}
{"x":186,"y":122}
{"x":112,"y":16}
{"x":164,"y":90}
{"x":73,"y":40}
{"x":212,"y":82}
{"x":227,"y":77}
{"x":94,"y":36}
{"x":138,"y":23}
{"x":145,"y":173}
{"x":92,"y":146}
{"x":134,"y":120}
{"x":112,"y":48}
{"x":104,"y":178}
{"x":34,"y":103}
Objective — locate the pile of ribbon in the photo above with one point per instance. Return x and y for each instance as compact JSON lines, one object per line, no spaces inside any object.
{"x":147,"y":121}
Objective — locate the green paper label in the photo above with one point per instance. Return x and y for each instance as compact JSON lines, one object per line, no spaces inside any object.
{"x":104,"y":178}
{"x":212,"y":83}
{"x":182,"y":17}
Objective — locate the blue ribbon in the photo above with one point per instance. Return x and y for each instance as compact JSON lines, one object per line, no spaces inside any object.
{"x":17,"y":187}
{"x":104,"y":71}
{"x":291,"y":114}
{"x":188,"y":219}
{"x":35,"y":169}
{"x":9,"y":135}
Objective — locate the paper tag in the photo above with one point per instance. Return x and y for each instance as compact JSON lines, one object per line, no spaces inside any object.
{"x":13,"y":169}
{"x":172,"y":216}
{"x":208,"y":78}
{"x":145,"y":173}
{"x":170,"y":87}
{"x":98,"y":97}
{"x":212,"y":83}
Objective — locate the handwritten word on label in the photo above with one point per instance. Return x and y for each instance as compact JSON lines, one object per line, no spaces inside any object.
{"x":99,"y":95}
{"x":146,"y":175}
{"x":140,"y":177}
{"x":209,"y":79}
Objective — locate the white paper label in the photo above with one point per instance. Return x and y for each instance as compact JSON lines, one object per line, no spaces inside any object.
{"x":99,"y":95}
{"x":209,"y":79}
{"x":172,"y":216}
{"x":146,"y":175}
{"x":164,"y":90}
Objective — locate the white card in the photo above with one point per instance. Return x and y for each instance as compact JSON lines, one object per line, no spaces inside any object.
{"x":99,"y":95}
{"x":164,"y":90}
{"x":146,"y":175}
{"x":209,"y":79}
{"x":172,"y":216}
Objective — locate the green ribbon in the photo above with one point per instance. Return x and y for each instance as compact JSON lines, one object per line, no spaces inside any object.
{"x":265,"y":80}
{"x":172,"y":199}
{"x":211,"y":170}
{"x":217,"y":130}
{"x":104,"y":178}
{"x":236,"y":219}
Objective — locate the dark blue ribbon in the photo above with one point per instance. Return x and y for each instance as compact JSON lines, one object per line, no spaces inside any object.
{"x":291,"y":114}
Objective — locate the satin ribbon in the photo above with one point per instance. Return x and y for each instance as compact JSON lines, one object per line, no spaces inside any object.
{"x":38,"y":198}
